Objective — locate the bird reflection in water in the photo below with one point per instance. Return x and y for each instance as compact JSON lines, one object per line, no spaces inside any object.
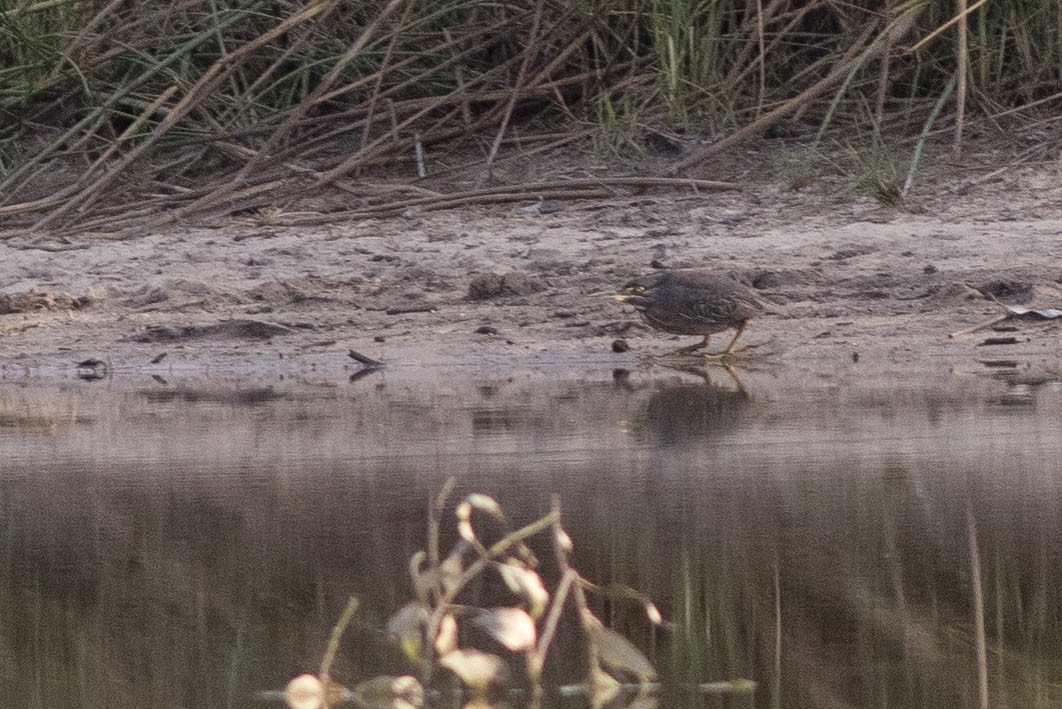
{"x":679,"y":413}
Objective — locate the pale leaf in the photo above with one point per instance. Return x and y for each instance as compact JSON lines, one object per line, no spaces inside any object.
{"x":305,"y":692}
{"x":406,"y":627}
{"x":463,"y":512}
{"x":476,"y":669}
{"x":512,"y":627}
{"x":423,"y":581}
{"x":446,"y":640}
{"x":617,"y":653}
{"x":564,"y":542}
{"x":387,"y":692}
{"x":643,"y":701}
{"x":452,"y":566}
{"x":733,"y":686}
{"x":486,"y":503}
{"x":603,"y":688}
{"x":527,"y":584}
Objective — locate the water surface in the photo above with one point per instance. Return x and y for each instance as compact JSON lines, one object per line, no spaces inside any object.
{"x":191,"y":543}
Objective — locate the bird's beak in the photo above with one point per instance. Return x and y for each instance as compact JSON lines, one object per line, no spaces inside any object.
{"x":621,"y":297}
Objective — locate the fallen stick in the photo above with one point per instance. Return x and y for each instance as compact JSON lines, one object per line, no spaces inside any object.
{"x":1014,"y":312}
{"x":369,"y":362}
{"x":986,"y":324}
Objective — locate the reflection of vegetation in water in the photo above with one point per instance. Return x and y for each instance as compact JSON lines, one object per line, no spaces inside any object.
{"x":122,"y":587}
{"x":427,"y":629}
{"x":874,"y":604}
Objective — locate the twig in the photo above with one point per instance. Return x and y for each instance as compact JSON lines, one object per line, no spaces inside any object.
{"x":982,"y":326}
{"x":563,"y":185}
{"x":365,"y":359}
{"x":333,"y":641}
{"x":560,"y":190}
{"x":586,"y":618}
{"x":435,"y":511}
{"x":418,"y":153}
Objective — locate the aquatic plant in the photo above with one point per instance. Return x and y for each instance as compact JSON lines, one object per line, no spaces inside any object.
{"x":431,"y":627}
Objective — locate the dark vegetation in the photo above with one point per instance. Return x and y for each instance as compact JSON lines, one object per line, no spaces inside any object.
{"x":120,"y":114}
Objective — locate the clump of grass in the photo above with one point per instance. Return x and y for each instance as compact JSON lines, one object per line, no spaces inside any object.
{"x":874,"y":174}
{"x":617,"y":132}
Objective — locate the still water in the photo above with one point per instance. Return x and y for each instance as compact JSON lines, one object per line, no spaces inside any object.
{"x":192,"y":543}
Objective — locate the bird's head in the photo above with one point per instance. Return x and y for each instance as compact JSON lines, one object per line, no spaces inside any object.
{"x":638,"y":292}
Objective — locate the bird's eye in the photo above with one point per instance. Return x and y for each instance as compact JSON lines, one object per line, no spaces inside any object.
{"x":637,"y":289}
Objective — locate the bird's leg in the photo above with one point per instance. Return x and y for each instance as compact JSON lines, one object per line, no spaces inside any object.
{"x":689,"y":349}
{"x":740,"y":329}
{"x":724,"y":356}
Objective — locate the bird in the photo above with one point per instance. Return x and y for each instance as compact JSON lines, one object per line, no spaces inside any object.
{"x":693,"y":302}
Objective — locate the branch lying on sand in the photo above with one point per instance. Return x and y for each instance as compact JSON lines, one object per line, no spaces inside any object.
{"x":366,"y":360}
{"x":562,"y":190}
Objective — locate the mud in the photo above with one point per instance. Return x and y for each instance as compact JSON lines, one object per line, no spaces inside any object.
{"x":855,"y":285}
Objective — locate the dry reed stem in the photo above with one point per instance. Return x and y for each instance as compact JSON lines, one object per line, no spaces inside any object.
{"x":776,"y":680}
{"x":961,"y":60}
{"x":35,"y":7}
{"x":78,"y":42}
{"x":429,"y":105}
{"x":932,"y":35}
{"x":164,"y":211}
{"x":488,"y":31}
{"x":798,"y":16}
{"x":762,"y":58}
{"x":979,"y":609}
{"x":883,"y":77}
{"x":577,"y":593}
{"x":565,"y":60}
{"x":438,"y":205}
{"x":529,"y":53}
